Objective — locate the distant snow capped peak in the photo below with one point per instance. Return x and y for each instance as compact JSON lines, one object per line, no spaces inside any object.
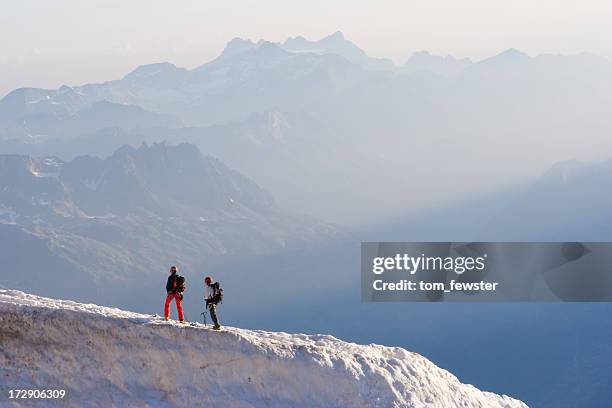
{"x":239,"y":47}
{"x":336,"y":39}
{"x":510,"y":55}
{"x":337,"y":44}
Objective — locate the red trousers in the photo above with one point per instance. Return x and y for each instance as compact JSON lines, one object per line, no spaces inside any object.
{"x":179,"y":305}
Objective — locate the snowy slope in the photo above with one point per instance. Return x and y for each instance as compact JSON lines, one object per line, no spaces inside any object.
{"x":108,"y":357}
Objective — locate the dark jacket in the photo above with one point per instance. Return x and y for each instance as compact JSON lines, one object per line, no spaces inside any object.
{"x":170,"y":283}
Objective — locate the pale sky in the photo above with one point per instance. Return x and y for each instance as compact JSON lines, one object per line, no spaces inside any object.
{"x":49,"y":43}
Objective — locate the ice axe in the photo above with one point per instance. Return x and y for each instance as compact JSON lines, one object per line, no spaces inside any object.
{"x":204,"y":316}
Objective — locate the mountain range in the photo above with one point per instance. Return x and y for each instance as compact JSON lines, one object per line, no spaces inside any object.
{"x":105,"y":226}
{"x":370,"y":126}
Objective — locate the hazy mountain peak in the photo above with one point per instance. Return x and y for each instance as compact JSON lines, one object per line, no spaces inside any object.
{"x":508,"y":62}
{"x":421,"y":54}
{"x":267,"y":49}
{"x":513,"y":53}
{"x":566,"y":170}
{"x":23,"y":101}
{"x":337,"y":36}
{"x":337,"y":44}
{"x":509,"y":55}
{"x":149,"y":70}
{"x":425,"y":61}
{"x":125,"y":150}
{"x":160,"y":179}
{"x":424,"y":55}
{"x":298,"y":43}
{"x":182,"y":152}
{"x":65,"y":89}
{"x":161,"y":75}
{"x":268,"y":45}
{"x":300,"y":39}
{"x":237,"y":46}
{"x":239,"y":42}
{"x":332,"y":43}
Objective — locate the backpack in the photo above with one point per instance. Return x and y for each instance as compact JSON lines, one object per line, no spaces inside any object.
{"x":179,"y":284}
{"x":217,"y":293}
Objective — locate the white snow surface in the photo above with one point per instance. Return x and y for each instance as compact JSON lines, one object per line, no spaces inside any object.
{"x":106,"y":357}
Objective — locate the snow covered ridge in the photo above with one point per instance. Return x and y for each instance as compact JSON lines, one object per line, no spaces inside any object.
{"x":112,"y":358}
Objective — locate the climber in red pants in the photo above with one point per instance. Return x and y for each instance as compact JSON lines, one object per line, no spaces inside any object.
{"x":174,"y":289}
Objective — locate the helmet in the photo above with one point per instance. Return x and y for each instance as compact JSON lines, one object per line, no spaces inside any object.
{"x":208,"y":280}
{"x":173,"y":268}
